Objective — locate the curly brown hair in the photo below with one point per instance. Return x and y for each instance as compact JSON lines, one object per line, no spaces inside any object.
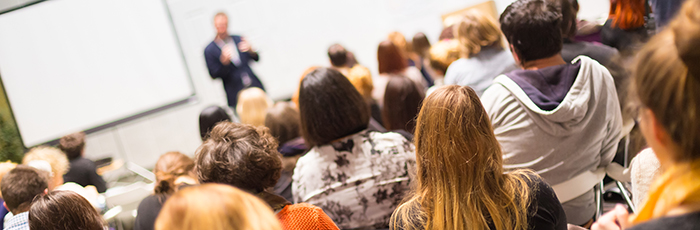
{"x":241,"y":155}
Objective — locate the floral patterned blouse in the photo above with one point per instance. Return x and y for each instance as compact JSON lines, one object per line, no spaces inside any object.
{"x":359,"y":180}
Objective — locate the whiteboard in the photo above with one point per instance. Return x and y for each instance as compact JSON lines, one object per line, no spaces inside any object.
{"x":71,"y":65}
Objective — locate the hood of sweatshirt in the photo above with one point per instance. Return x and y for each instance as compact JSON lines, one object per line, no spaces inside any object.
{"x":558,"y":98}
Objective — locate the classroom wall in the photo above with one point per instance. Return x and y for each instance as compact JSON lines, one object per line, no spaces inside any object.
{"x":143,"y":140}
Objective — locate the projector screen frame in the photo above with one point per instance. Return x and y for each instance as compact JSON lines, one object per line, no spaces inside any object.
{"x":192,"y":98}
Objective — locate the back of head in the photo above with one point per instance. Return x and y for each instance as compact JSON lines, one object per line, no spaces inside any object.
{"x":295,"y":96}
{"x":399,"y":41}
{"x":60,"y":210}
{"x":390,"y":59}
{"x":627,"y":14}
{"x":453,"y":127}
{"x":5,"y":167}
{"x":55,"y":157}
{"x":21,"y":185}
{"x":330,"y":107}
{"x":447,"y":33}
{"x":283,"y":121}
{"x":667,"y":79}
{"x":361,"y":78}
{"x":72,"y":145}
{"x":169,"y":167}
{"x":240,"y":155}
{"x":532,"y":27}
{"x":338,"y":55}
{"x":454,"y":138}
{"x":568,"y":17}
{"x":209,"y":117}
{"x":252,"y":106}
{"x":402,"y":101}
{"x":443,"y":53}
{"x":215,"y":207}
{"x":421,"y":45}
{"x":475,"y":31}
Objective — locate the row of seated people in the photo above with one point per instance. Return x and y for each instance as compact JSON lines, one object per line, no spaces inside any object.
{"x":493,"y":160}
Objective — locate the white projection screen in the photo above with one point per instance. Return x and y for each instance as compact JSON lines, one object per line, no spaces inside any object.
{"x":72,"y":65}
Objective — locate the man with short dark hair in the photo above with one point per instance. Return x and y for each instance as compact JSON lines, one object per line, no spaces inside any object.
{"x":227,"y":58}
{"x":560,"y":119}
{"x":341,"y":59}
{"x":19,"y":187}
{"x":82,"y":171}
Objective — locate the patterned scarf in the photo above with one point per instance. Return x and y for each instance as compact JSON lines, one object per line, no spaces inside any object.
{"x":679,"y":185}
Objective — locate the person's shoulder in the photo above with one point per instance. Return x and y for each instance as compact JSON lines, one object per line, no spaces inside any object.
{"x":153,"y":200}
{"x":210,"y":47}
{"x":385,"y":136}
{"x":682,"y":222}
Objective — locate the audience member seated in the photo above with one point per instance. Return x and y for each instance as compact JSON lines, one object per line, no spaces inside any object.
{"x":624,"y":29}
{"x":483,"y":57}
{"x":421,"y":47}
{"x":215,"y":207}
{"x":246,"y":157}
{"x":19,"y":187}
{"x":252,"y":106}
{"x":461,"y":181}
{"x":60,"y":210}
{"x":283,"y":121}
{"x":392,"y":64}
{"x":442,"y":54}
{"x":447,"y":33}
{"x":667,"y":81}
{"x":172,"y":170}
{"x":406,"y":51}
{"x":295,"y":96}
{"x":209,"y":117}
{"x":560,"y":119}
{"x":57,"y":166}
{"x":572,"y":48}
{"x":356,"y":176}
{"x":82,"y":171}
{"x":339,"y":58}
{"x":4,"y":169}
{"x":402,"y":101}
{"x":361,"y":78}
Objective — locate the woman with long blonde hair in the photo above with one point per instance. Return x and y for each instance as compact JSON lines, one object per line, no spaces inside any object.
{"x":666,"y":84}
{"x":216,"y":207}
{"x":483,"y":56}
{"x":461,"y":181}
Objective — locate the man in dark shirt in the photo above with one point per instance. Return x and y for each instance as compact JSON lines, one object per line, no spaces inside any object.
{"x":82,"y":171}
{"x":227,"y":58}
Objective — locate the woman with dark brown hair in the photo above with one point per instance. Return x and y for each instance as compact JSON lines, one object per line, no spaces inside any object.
{"x":392,"y":63}
{"x":172,"y":170}
{"x":461,"y":181}
{"x":62,"y":210}
{"x":666,"y":84}
{"x":356,"y":176}
{"x":402,"y":101}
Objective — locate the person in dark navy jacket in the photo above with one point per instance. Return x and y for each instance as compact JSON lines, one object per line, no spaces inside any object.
{"x":227,"y":58}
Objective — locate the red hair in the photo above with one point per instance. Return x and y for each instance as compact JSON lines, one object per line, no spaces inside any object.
{"x":390,"y":59}
{"x":627,"y":14}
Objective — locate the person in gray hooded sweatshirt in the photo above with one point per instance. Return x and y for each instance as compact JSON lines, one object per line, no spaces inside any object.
{"x":560,"y":119}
